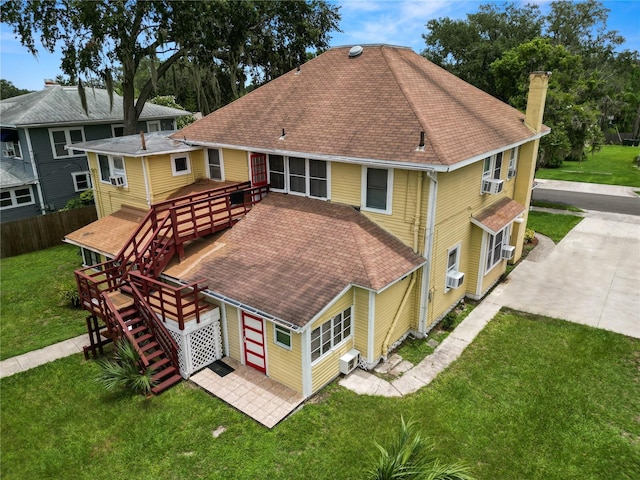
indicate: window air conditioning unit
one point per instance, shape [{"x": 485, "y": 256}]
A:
[
  {"x": 454, "y": 279},
  {"x": 349, "y": 361},
  {"x": 117, "y": 181},
  {"x": 508, "y": 251},
  {"x": 512, "y": 173},
  {"x": 491, "y": 185}
]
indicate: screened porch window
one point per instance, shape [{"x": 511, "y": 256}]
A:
[
  {"x": 330, "y": 334},
  {"x": 298, "y": 175}
]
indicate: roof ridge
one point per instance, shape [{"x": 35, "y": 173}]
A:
[{"x": 419, "y": 117}]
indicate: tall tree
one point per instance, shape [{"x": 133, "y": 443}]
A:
[
  {"x": 98, "y": 37},
  {"x": 8, "y": 89}
]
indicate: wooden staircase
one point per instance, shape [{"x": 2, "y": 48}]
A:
[{"x": 125, "y": 292}]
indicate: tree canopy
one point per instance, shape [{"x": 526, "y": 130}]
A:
[
  {"x": 593, "y": 87},
  {"x": 108, "y": 40},
  {"x": 8, "y": 89}
]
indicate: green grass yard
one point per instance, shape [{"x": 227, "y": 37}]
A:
[
  {"x": 32, "y": 315},
  {"x": 552, "y": 225},
  {"x": 612, "y": 165},
  {"x": 531, "y": 398}
]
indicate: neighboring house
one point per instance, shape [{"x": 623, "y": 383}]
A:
[
  {"x": 37, "y": 127},
  {"x": 395, "y": 190}
]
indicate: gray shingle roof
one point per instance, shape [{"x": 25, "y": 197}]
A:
[
  {"x": 15, "y": 172},
  {"x": 61, "y": 105},
  {"x": 131, "y": 145}
]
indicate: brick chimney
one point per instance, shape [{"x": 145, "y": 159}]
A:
[{"x": 538, "y": 84}]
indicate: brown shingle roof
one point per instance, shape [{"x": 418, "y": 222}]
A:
[
  {"x": 108, "y": 234},
  {"x": 290, "y": 256},
  {"x": 373, "y": 106},
  {"x": 499, "y": 215}
]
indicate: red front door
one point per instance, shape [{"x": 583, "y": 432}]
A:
[
  {"x": 258, "y": 169},
  {"x": 253, "y": 338}
]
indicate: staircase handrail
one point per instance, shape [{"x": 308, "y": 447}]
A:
[
  {"x": 159, "y": 331},
  {"x": 113, "y": 312}
]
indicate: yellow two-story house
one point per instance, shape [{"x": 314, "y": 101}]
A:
[{"x": 376, "y": 190}]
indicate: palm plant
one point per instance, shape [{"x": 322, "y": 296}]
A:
[
  {"x": 124, "y": 370},
  {"x": 409, "y": 458}
]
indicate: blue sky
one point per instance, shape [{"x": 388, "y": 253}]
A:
[{"x": 396, "y": 22}]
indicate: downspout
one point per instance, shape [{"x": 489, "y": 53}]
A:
[
  {"x": 35, "y": 171},
  {"x": 428, "y": 254},
  {"x": 416, "y": 229},
  {"x": 145, "y": 166}
]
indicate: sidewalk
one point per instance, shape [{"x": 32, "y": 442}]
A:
[{"x": 595, "y": 188}]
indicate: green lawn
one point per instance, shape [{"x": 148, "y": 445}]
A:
[
  {"x": 532, "y": 398},
  {"x": 553, "y": 225},
  {"x": 32, "y": 315},
  {"x": 612, "y": 165}
]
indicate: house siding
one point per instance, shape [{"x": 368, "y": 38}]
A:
[
  {"x": 110, "y": 199},
  {"x": 285, "y": 366},
  {"x": 233, "y": 333},
  {"x": 361, "y": 319},
  {"x": 387, "y": 306},
  {"x": 345, "y": 183},
  {"x": 162, "y": 181},
  {"x": 236, "y": 166},
  {"x": 328, "y": 367}
]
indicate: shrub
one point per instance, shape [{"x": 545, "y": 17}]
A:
[
  {"x": 123, "y": 371},
  {"x": 67, "y": 292},
  {"x": 529, "y": 234},
  {"x": 84, "y": 200}
]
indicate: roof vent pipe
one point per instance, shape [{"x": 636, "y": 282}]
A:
[
  {"x": 421, "y": 144},
  {"x": 144, "y": 144}
]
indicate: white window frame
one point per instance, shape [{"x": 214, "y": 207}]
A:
[
  {"x": 15, "y": 146},
  {"x": 90, "y": 255},
  {"x": 278, "y": 329},
  {"x": 363, "y": 190},
  {"x": 14, "y": 198},
  {"x": 154, "y": 123},
  {"x": 67, "y": 136},
  {"x": 113, "y": 130},
  {"x": 490, "y": 258},
  {"x": 220, "y": 164},
  {"x": 174, "y": 170},
  {"x": 513, "y": 163},
  {"x": 307, "y": 177},
  {"x": 113, "y": 171},
  {"x": 332, "y": 341},
  {"x": 75, "y": 176},
  {"x": 452, "y": 268}
]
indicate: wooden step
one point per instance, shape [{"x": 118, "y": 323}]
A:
[
  {"x": 153, "y": 355},
  {"x": 163, "y": 373},
  {"x": 157, "y": 366},
  {"x": 135, "y": 331},
  {"x": 148, "y": 346},
  {"x": 143, "y": 338},
  {"x": 169, "y": 382}
]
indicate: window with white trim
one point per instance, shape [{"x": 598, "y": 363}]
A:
[
  {"x": 111, "y": 166},
  {"x": 117, "y": 130},
  {"x": 153, "y": 126},
  {"x": 11, "y": 149},
  {"x": 214, "y": 163},
  {"x": 90, "y": 258},
  {"x": 16, "y": 197},
  {"x": 65, "y": 136},
  {"x": 492, "y": 167},
  {"x": 330, "y": 334},
  {"x": 81, "y": 181},
  {"x": 494, "y": 248},
  {"x": 453, "y": 263},
  {"x": 282, "y": 336},
  {"x": 513, "y": 163},
  {"x": 301, "y": 176},
  {"x": 377, "y": 189},
  {"x": 180, "y": 164}
]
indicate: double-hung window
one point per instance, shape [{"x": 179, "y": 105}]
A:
[
  {"x": 453, "y": 264},
  {"x": 81, "y": 181},
  {"x": 180, "y": 164},
  {"x": 111, "y": 166},
  {"x": 65, "y": 136},
  {"x": 492, "y": 167},
  {"x": 494, "y": 247},
  {"x": 11, "y": 149},
  {"x": 153, "y": 126},
  {"x": 16, "y": 197},
  {"x": 214, "y": 162},
  {"x": 302, "y": 176},
  {"x": 377, "y": 189},
  {"x": 513, "y": 163},
  {"x": 330, "y": 334},
  {"x": 117, "y": 130}
]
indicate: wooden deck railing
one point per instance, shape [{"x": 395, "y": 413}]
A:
[
  {"x": 163, "y": 232},
  {"x": 115, "y": 321}
]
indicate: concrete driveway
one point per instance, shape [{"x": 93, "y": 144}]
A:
[{"x": 591, "y": 277}]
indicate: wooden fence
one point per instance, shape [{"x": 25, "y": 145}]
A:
[{"x": 43, "y": 231}]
